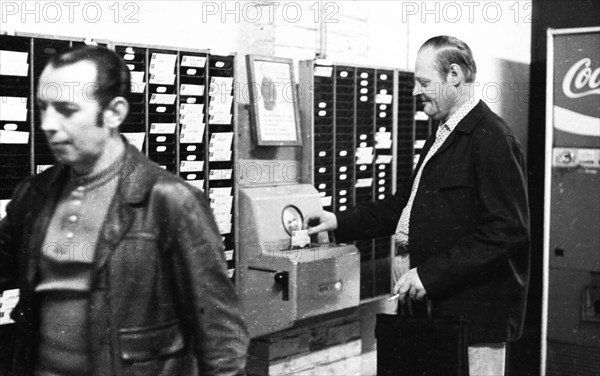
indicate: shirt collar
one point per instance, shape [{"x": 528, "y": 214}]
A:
[{"x": 460, "y": 114}]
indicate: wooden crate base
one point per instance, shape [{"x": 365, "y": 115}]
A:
[{"x": 343, "y": 359}]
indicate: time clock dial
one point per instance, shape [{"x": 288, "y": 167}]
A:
[{"x": 292, "y": 219}]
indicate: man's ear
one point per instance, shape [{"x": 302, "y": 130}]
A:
[
  {"x": 455, "y": 75},
  {"x": 116, "y": 112}
]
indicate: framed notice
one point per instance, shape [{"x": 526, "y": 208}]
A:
[{"x": 274, "y": 109}]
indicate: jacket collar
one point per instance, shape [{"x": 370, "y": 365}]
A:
[
  {"x": 134, "y": 179},
  {"x": 466, "y": 126},
  {"x": 468, "y": 123},
  {"x": 48, "y": 180}
]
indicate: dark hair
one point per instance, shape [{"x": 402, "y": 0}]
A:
[
  {"x": 112, "y": 74},
  {"x": 450, "y": 50}
]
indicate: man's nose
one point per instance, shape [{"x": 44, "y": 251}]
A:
[
  {"x": 417, "y": 90},
  {"x": 50, "y": 120}
]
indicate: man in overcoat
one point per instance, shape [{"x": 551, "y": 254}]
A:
[{"x": 463, "y": 220}]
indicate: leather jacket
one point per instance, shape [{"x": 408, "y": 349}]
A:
[{"x": 161, "y": 302}]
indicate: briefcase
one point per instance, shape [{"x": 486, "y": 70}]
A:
[{"x": 421, "y": 345}]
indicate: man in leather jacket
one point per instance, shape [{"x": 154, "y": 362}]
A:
[{"x": 120, "y": 264}]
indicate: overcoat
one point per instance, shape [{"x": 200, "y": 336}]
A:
[{"x": 469, "y": 226}]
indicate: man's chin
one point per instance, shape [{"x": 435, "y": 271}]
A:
[
  {"x": 63, "y": 158},
  {"x": 433, "y": 115}
]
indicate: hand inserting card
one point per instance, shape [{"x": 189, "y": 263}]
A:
[{"x": 300, "y": 238}]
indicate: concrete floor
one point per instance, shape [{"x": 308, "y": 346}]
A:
[{"x": 369, "y": 364}]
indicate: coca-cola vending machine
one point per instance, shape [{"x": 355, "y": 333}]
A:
[{"x": 571, "y": 312}]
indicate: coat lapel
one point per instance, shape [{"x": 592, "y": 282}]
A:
[
  {"x": 134, "y": 184},
  {"x": 48, "y": 190},
  {"x": 449, "y": 140},
  {"x": 116, "y": 224},
  {"x": 424, "y": 151},
  {"x": 466, "y": 125}
]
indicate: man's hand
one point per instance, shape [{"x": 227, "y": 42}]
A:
[
  {"x": 410, "y": 285},
  {"x": 400, "y": 266},
  {"x": 324, "y": 221}
]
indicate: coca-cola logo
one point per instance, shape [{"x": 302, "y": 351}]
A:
[{"x": 580, "y": 80}]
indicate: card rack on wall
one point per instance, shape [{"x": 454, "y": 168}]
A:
[
  {"x": 181, "y": 116},
  {"x": 16, "y": 101},
  {"x": 405, "y": 145},
  {"x": 353, "y": 112},
  {"x": 414, "y": 127}
]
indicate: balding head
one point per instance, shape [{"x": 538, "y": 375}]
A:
[{"x": 450, "y": 50}]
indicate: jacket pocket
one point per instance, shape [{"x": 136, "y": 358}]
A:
[
  {"x": 456, "y": 178},
  {"x": 143, "y": 344}
]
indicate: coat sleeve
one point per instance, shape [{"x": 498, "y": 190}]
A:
[
  {"x": 376, "y": 219},
  {"x": 10, "y": 240},
  {"x": 7, "y": 259},
  {"x": 211, "y": 303},
  {"x": 373, "y": 219},
  {"x": 503, "y": 226}
]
